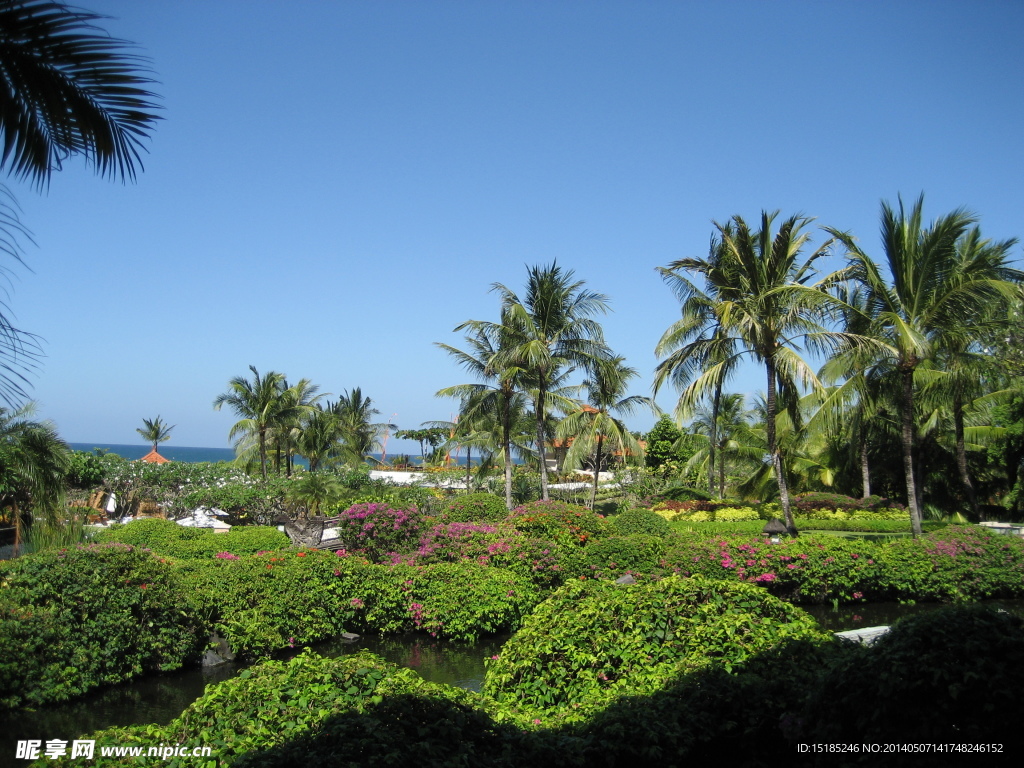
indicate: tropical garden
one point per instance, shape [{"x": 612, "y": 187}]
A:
[{"x": 654, "y": 622}]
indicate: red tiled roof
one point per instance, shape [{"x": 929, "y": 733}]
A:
[{"x": 154, "y": 458}]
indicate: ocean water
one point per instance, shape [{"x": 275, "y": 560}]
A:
[
  {"x": 190, "y": 455},
  {"x": 193, "y": 455}
]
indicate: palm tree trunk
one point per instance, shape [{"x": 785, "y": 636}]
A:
[
  {"x": 540, "y": 445},
  {"x": 775, "y": 453},
  {"x": 961, "y": 453},
  {"x": 865, "y": 470},
  {"x": 907, "y": 435},
  {"x": 721, "y": 477},
  {"x": 597, "y": 471},
  {"x": 715, "y": 405},
  {"x": 506, "y": 447},
  {"x": 469, "y": 464},
  {"x": 263, "y": 452}
]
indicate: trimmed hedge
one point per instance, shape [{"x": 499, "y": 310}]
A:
[
  {"x": 950, "y": 565},
  {"x": 172, "y": 540},
  {"x": 640, "y": 521},
  {"x": 592, "y": 642},
  {"x": 268, "y": 602},
  {"x": 76, "y": 619},
  {"x": 475, "y": 508}
]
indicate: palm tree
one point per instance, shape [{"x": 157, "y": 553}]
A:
[
  {"x": 498, "y": 392},
  {"x": 155, "y": 431},
  {"x": 593, "y": 425},
  {"x": 69, "y": 90},
  {"x": 360, "y": 435},
  {"x": 545, "y": 332},
  {"x": 851, "y": 409},
  {"x": 66, "y": 89},
  {"x": 319, "y": 435},
  {"x": 934, "y": 293},
  {"x": 258, "y": 403},
  {"x": 296, "y": 402},
  {"x": 699, "y": 354},
  {"x": 33, "y": 464},
  {"x": 769, "y": 306},
  {"x": 961, "y": 362},
  {"x": 726, "y": 431},
  {"x": 311, "y": 491}
]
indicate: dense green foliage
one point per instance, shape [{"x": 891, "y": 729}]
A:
[
  {"x": 640, "y": 521},
  {"x": 557, "y": 521},
  {"x": 475, "y": 507},
  {"x": 967, "y": 663},
  {"x": 277, "y": 600},
  {"x": 954, "y": 564},
  {"x": 591, "y": 642},
  {"x": 179, "y": 541},
  {"x": 359, "y": 710},
  {"x": 76, "y": 619}
]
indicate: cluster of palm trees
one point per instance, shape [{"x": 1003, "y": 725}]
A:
[
  {"x": 522, "y": 363},
  {"x": 902, "y": 338},
  {"x": 282, "y": 420}
]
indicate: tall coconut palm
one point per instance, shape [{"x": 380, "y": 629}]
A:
[
  {"x": 66, "y": 89},
  {"x": 550, "y": 329},
  {"x": 296, "y": 401},
  {"x": 319, "y": 435},
  {"x": 931, "y": 294},
  {"x": 155, "y": 431},
  {"x": 592, "y": 425},
  {"x": 258, "y": 403},
  {"x": 961, "y": 361},
  {"x": 851, "y": 407},
  {"x": 770, "y": 307},
  {"x": 360, "y": 435},
  {"x": 33, "y": 464},
  {"x": 497, "y": 393},
  {"x": 699, "y": 354}
]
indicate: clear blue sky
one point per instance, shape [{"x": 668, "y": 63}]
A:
[{"x": 336, "y": 185}]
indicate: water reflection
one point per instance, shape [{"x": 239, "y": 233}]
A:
[
  {"x": 161, "y": 698},
  {"x": 846, "y": 617}
]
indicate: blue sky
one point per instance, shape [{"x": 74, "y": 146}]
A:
[{"x": 336, "y": 185}]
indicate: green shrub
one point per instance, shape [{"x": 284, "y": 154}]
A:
[
  {"x": 172, "y": 540},
  {"x": 956, "y": 563},
  {"x": 736, "y": 514},
  {"x": 287, "y": 599},
  {"x": 594, "y": 641},
  {"x": 76, "y": 619},
  {"x": 640, "y": 521},
  {"x": 614, "y": 556},
  {"x": 682, "y": 493},
  {"x": 954, "y": 674},
  {"x": 556, "y": 521},
  {"x": 475, "y": 508},
  {"x": 278, "y": 704}
]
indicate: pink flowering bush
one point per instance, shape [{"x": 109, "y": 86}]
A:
[
  {"x": 378, "y": 530},
  {"x": 452, "y": 542},
  {"x": 807, "y": 569},
  {"x": 954, "y": 564}
]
